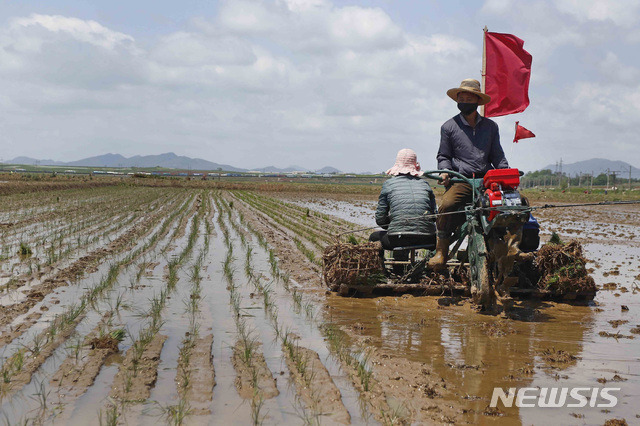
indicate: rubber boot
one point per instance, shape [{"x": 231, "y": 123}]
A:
[
  {"x": 439, "y": 261},
  {"x": 400, "y": 256}
]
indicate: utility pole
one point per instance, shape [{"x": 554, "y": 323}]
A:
[
  {"x": 558, "y": 173},
  {"x": 591, "y": 186},
  {"x": 613, "y": 172},
  {"x": 629, "y": 178}
]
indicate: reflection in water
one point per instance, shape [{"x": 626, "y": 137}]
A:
[{"x": 473, "y": 353}]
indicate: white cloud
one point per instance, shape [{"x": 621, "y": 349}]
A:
[
  {"x": 192, "y": 49},
  {"x": 356, "y": 28},
  {"x": 85, "y": 31},
  {"x": 496, "y": 7},
  {"x": 249, "y": 17},
  {"x": 615, "y": 71},
  {"x": 299, "y": 81},
  {"x": 619, "y": 12}
]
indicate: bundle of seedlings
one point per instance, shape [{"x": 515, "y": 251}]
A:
[
  {"x": 562, "y": 268},
  {"x": 352, "y": 264}
]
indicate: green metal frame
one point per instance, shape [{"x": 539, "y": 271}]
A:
[{"x": 475, "y": 228}]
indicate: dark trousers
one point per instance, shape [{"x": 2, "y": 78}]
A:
[
  {"x": 389, "y": 242},
  {"x": 455, "y": 198}
]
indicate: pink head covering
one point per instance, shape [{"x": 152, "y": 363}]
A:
[{"x": 406, "y": 163}]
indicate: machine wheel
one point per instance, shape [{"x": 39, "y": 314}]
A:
[
  {"x": 481, "y": 286},
  {"x": 486, "y": 295}
]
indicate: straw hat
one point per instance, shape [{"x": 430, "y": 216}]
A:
[
  {"x": 406, "y": 164},
  {"x": 469, "y": 85}
]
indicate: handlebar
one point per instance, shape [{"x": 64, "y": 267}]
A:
[{"x": 458, "y": 178}]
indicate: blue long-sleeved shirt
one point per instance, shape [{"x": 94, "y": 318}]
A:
[{"x": 468, "y": 150}]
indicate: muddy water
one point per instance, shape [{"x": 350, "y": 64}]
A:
[
  {"x": 360, "y": 213},
  {"x": 293, "y": 319},
  {"x": 475, "y": 353}
]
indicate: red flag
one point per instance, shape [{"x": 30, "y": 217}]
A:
[
  {"x": 508, "y": 68},
  {"x": 522, "y": 133}
]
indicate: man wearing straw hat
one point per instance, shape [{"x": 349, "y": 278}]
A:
[
  {"x": 403, "y": 202},
  {"x": 469, "y": 145}
]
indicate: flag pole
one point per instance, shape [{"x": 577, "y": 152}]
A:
[
  {"x": 514, "y": 141},
  {"x": 484, "y": 64}
]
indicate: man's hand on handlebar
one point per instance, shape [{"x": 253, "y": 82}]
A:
[{"x": 445, "y": 179}]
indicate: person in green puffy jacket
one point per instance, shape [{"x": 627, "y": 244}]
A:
[{"x": 404, "y": 203}]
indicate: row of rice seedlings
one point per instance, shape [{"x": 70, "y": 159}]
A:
[
  {"x": 177, "y": 413},
  {"x": 285, "y": 337},
  {"x": 53, "y": 211},
  {"x": 68, "y": 318},
  {"x": 325, "y": 226},
  {"x": 228, "y": 208},
  {"x": 357, "y": 359},
  {"x": 304, "y": 212},
  {"x": 32, "y": 204},
  {"x": 154, "y": 324},
  {"x": 65, "y": 246},
  {"x": 63, "y": 230},
  {"x": 220, "y": 220},
  {"x": 284, "y": 220},
  {"x": 47, "y": 340},
  {"x": 249, "y": 343},
  {"x": 182, "y": 223},
  {"x": 309, "y": 254},
  {"x": 300, "y": 245},
  {"x": 178, "y": 261},
  {"x": 322, "y": 228}
]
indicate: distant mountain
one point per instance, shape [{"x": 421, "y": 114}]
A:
[
  {"x": 328, "y": 169},
  {"x": 597, "y": 166},
  {"x": 273, "y": 169},
  {"x": 32, "y": 161},
  {"x": 167, "y": 160},
  {"x": 106, "y": 160}
]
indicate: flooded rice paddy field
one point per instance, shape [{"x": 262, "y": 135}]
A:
[
  {"x": 135, "y": 305},
  {"x": 545, "y": 344}
]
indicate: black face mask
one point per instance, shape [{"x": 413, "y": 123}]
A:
[{"x": 467, "y": 108}]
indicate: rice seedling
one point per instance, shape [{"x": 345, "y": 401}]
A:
[
  {"x": 75, "y": 348},
  {"x": 118, "y": 303},
  {"x": 257, "y": 403},
  {"x": 42, "y": 397},
  {"x": 24, "y": 249},
  {"x": 393, "y": 416},
  {"x": 176, "y": 414},
  {"x": 111, "y": 415},
  {"x": 363, "y": 371}
]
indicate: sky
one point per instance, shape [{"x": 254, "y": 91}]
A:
[{"x": 312, "y": 83}]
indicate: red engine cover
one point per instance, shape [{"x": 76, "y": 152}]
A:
[
  {"x": 506, "y": 178},
  {"x": 495, "y": 199}
]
